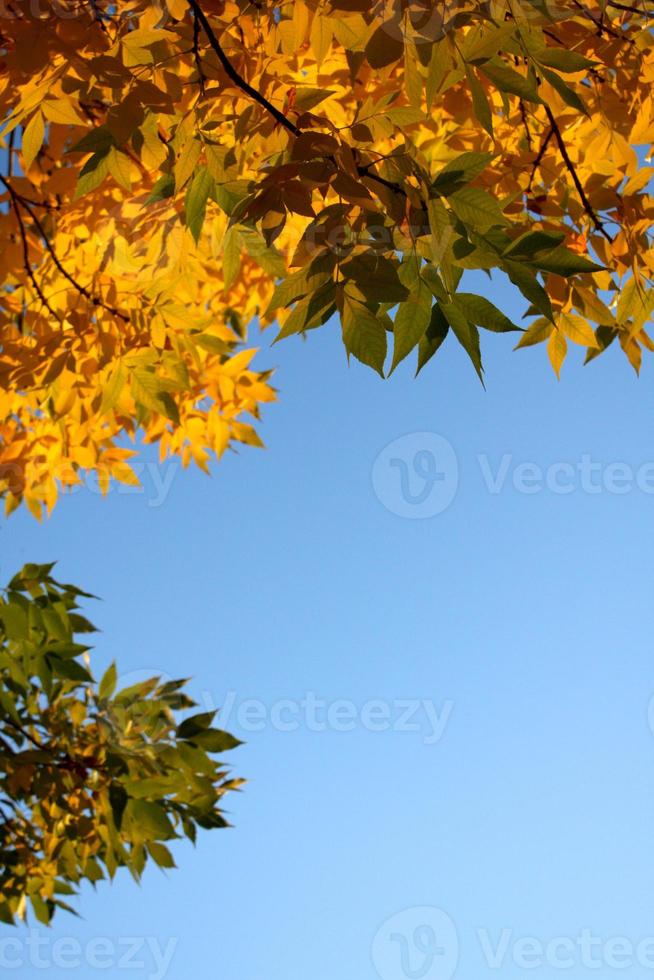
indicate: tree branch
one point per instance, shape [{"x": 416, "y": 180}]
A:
[
  {"x": 26, "y": 250},
  {"x": 539, "y": 157},
  {"x": 238, "y": 80},
  {"x": 16, "y": 200},
  {"x": 588, "y": 207}
]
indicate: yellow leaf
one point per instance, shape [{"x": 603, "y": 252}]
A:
[
  {"x": 186, "y": 163},
  {"x": 120, "y": 168},
  {"x": 557, "y": 348},
  {"x": 577, "y": 329},
  {"x": 33, "y": 137},
  {"x": 321, "y": 37},
  {"x": 62, "y": 111}
]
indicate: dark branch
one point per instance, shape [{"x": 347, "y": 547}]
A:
[
  {"x": 201, "y": 19},
  {"x": 539, "y": 157},
  {"x": 196, "y": 50},
  {"x": 18, "y": 201},
  {"x": 26, "y": 250},
  {"x": 588, "y": 207},
  {"x": 238, "y": 80}
]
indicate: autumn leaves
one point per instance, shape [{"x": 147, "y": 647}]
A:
[{"x": 173, "y": 180}]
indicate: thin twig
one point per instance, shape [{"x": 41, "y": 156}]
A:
[
  {"x": 196, "y": 50},
  {"x": 539, "y": 157},
  {"x": 588, "y": 207},
  {"x": 18, "y": 200},
  {"x": 26, "y": 252}
]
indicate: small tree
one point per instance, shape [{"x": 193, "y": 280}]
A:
[{"x": 91, "y": 779}]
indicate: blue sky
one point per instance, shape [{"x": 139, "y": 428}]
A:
[{"x": 505, "y": 826}]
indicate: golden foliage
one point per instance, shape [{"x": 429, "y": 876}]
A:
[{"x": 179, "y": 172}]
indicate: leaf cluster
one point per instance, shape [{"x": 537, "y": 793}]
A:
[{"x": 92, "y": 778}]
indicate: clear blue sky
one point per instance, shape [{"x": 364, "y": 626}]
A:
[{"x": 521, "y": 622}]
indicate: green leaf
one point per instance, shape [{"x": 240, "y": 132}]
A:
[
  {"x": 375, "y": 278},
  {"x": 118, "y": 801},
  {"x": 411, "y": 322},
  {"x": 604, "y": 337},
  {"x": 92, "y": 173},
  {"x": 96, "y": 140},
  {"x": 300, "y": 283},
  {"x": 108, "y": 683},
  {"x": 481, "y": 311},
  {"x": 434, "y": 336},
  {"x": 466, "y": 333},
  {"x": 195, "y": 724},
  {"x": 151, "y": 818},
  {"x": 70, "y": 670},
  {"x": 215, "y": 740},
  {"x": 310, "y": 312},
  {"x": 460, "y": 171},
  {"x": 113, "y": 388},
  {"x": 563, "y": 262},
  {"x": 160, "y": 854},
  {"x": 567, "y": 94},
  {"x": 508, "y": 80},
  {"x": 120, "y": 167},
  {"x": 533, "y": 242},
  {"x": 364, "y": 334},
  {"x": 42, "y": 909},
  {"x": 526, "y": 281},
  {"x": 563, "y": 60},
  {"x": 163, "y": 187},
  {"x": 477, "y": 208},
  {"x": 485, "y": 41},
  {"x": 480, "y": 102},
  {"x": 14, "y": 620},
  {"x": 195, "y": 204},
  {"x": 151, "y": 391}
]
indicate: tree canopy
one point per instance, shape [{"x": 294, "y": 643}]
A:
[
  {"x": 91, "y": 779},
  {"x": 178, "y": 173}
]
